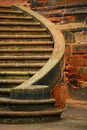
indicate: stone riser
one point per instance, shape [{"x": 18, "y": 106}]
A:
[
  {"x": 21, "y": 32},
  {"x": 22, "y": 119},
  {"x": 27, "y": 107},
  {"x": 9, "y": 85},
  {"x": 26, "y": 46},
  {"x": 16, "y": 19},
  {"x": 11, "y": 13},
  {"x": 25, "y": 40},
  {"x": 23, "y": 61},
  {"x": 21, "y": 69},
  {"x": 5, "y": 8},
  {"x": 25, "y": 54}
]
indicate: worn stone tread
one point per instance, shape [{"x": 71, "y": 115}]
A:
[
  {"x": 24, "y": 57},
  {"x": 19, "y": 23},
  {"x": 23, "y": 30},
  {"x": 49, "y": 112},
  {"x": 4, "y": 73},
  {"x": 26, "y": 50},
  {"x": 25, "y": 36},
  {"x": 10, "y": 12},
  {"x": 5, "y": 90},
  {"x": 16, "y": 18},
  {"x": 27, "y": 43},
  {"x": 11, "y": 81},
  {"x": 18, "y": 101},
  {"x": 22, "y": 65}
]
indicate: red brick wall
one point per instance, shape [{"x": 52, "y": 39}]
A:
[
  {"x": 10, "y": 2},
  {"x": 54, "y": 2},
  {"x": 70, "y": 1},
  {"x": 76, "y": 59}
]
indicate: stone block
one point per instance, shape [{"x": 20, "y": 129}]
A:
[{"x": 33, "y": 92}]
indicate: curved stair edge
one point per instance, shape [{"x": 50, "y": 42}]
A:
[{"x": 54, "y": 66}]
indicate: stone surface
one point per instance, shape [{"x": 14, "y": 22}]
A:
[{"x": 73, "y": 118}]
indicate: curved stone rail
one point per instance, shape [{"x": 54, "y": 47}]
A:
[{"x": 52, "y": 73}]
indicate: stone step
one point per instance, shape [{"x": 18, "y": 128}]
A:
[
  {"x": 37, "y": 46},
  {"x": 21, "y": 65},
  {"x": 25, "y": 58},
  {"x": 33, "y": 92},
  {"x": 15, "y": 19},
  {"x": 24, "y": 68},
  {"x": 10, "y": 81},
  {"x": 37, "y": 43},
  {"x": 11, "y": 75},
  {"x": 5, "y": 92},
  {"x": 25, "y": 52},
  {"x": 19, "y": 24},
  {"x": 23, "y": 31},
  {"x": 10, "y": 12},
  {"x": 16, "y": 74},
  {"x": 27, "y": 101},
  {"x": 26, "y": 105},
  {"x": 22, "y": 45},
  {"x": 28, "y": 117},
  {"x": 32, "y": 44},
  {"x": 24, "y": 36},
  {"x": 5, "y": 8}
]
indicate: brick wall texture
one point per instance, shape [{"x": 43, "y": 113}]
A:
[{"x": 76, "y": 60}]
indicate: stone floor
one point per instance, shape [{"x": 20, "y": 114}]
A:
[{"x": 74, "y": 117}]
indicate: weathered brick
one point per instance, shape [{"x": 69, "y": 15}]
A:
[
  {"x": 83, "y": 77},
  {"x": 82, "y": 70},
  {"x": 77, "y": 55},
  {"x": 67, "y": 50},
  {"x": 66, "y": 58},
  {"x": 74, "y": 61},
  {"x": 10, "y": 2},
  {"x": 71, "y": 18},
  {"x": 73, "y": 69},
  {"x": 85, "y": 61},
  {"x": 84, "y": 55},
  {"x": 80, "y": 48}
]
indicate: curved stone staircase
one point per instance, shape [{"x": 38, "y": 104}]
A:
[{"x": 27, "y": 52}]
